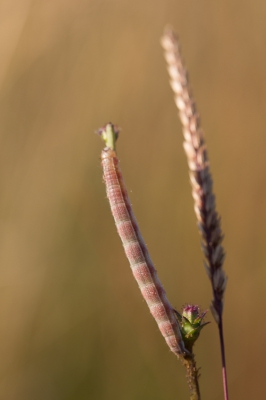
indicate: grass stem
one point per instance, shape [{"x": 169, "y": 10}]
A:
[{"x": 201, "y": 182}]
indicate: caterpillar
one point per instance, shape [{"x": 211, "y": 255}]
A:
[{"x": 136, "y": 251}]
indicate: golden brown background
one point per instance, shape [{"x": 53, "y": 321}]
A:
[{"x": 72, "y": 322}]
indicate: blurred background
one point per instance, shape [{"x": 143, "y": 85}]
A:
[{"x": 72, "y": 322}]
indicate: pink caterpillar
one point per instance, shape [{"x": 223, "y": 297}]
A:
[{"x": 137, "y": 253}]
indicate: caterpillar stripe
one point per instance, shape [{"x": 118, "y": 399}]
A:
[{"x": 137, "y": 253}]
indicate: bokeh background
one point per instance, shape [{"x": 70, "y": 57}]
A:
[{"x": 72, "y": 322}]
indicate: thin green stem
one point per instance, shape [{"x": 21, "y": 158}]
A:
[
  {"x": 192, "y": 376},
  {"x": 221, "y": 335}
]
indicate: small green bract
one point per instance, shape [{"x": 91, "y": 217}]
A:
[{"x": 191, "y": 323}]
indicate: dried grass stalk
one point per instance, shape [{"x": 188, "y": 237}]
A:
[
  {"x": 199, "y": 172},
  {"x": 201, "y": 182}
]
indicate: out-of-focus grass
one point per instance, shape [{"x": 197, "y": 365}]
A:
[{"x": 72, "y": 322}]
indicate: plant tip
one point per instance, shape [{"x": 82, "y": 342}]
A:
[{"x": 109, "y": 133}]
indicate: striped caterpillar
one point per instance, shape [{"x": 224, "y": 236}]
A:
[{"x": 135, "y": 248}]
